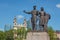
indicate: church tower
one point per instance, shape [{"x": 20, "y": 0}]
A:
[
  {"x": 25, "y": 23},
  {"x": 15, "y": 28},
  {"x": 15, "y": 21}
]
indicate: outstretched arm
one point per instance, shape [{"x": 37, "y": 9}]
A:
[{"x": 27, "y": 12}]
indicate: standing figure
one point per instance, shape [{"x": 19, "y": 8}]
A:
[
  {"x": 34, "y": 13},
  {"x": 42, "y": 17},
  {"x": 47, "y": 17}
]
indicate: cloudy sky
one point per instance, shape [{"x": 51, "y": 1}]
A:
[{"x": 11, "y": 8}]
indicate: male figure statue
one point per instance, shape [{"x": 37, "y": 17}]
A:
[
  {"x": 42, "y": 18},
  {"x": 47, "y": 17},
  {"x": 34, "y": 13}
]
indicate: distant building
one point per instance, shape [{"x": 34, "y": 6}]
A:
[
  {"x": 7, "y": 27},
  {"x": 25, "y": 24},
  {"x": 18, "y": 26},
  {"x": 58, "y": 34}
]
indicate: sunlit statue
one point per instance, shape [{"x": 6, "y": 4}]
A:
[
  {"x": 34, "y": 14},
  {"x": 44, "y": 17},
  {"x": 47, "y": 17}
]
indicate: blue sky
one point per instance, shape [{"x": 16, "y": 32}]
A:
[{"x": 11, "y": 8}]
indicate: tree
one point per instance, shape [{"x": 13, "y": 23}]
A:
[
  {"x": 51, "y": 33},
  {"x": 22, "y": 33},
  {"x": 29, "y": 25},
  {"x": 2, "y": 35},
  {"x": 9, "y": 35}
]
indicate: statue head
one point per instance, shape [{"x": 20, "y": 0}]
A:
[
  {"x": 42, "y": 9},
  {"x": 34, "y": 7}
]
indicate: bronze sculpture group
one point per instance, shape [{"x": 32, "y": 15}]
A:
[{"x": 43, "y": 18}]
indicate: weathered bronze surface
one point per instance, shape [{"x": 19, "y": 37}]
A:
[
  {"x": 34, "y": 13},
  {"x": 43, "y": 18}
]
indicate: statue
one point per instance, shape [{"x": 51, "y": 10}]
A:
[
  {"x": 47, "y": 17},
  {"x": 34, "y": 13},
  {"x": 42, "y": 16}
]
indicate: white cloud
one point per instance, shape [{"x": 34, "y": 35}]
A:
[
  {"x": 19, "y": 16},
  {"x": 58, "y": 5}
]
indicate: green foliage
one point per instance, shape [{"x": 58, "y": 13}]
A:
[
  {"x": 9, "y": 35},
  {"x": 2, "y": 35},
  {"x": 51, "y": 33},
  {"x": 29, "y": 29},
  {"x": 22, "y": 33}
]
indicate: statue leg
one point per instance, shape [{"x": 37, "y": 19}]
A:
[
  {"x": 33, "y": 24},
  {"x": 46, "y": 21},
  {"x": 45, "y": 24},
  {"x": 40, "y": 23},
  {"x": 45, "y": 28},
  {"x": 40, "y": 26}
]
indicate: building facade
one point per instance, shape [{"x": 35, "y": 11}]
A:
[
  {"x": 58, "y": 34},
  {"x": 17, "y": 26}
]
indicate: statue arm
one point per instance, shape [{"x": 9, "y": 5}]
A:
[
  {"x": 27, "y": 12},
  {"x": 49, "y": 16}
]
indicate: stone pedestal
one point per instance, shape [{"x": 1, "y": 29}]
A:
[{"x": 37, "y": 36}]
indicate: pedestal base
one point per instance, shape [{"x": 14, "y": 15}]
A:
[{"x": 37, "y": 36}]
